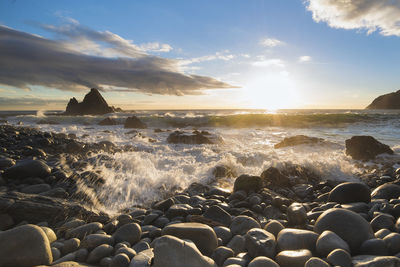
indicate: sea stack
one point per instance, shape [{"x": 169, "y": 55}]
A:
[
  {"x": 388, "y": 101},
  {"x": 92, "y": 104}
]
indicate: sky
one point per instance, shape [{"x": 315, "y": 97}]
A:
[{"x": 270, "y": 54}]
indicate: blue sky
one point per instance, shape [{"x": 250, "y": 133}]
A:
[{"x": 249, "y": 54}]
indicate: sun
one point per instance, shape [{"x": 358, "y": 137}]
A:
[{"x": 272, "y": 91}]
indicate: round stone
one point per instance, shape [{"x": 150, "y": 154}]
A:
[
  {"x": 350, "y": 192},
  {"x": 242, "y": 223},
  {"x": 120, "y": 260},
  {"x": 274, "y": 227},
  {"x": 293, "y": 258},
  {"x": 339, "y": 257},
  {"x": 98, "y": 253},
  {"x": 329, "y": 241},
  {"x": 296, "y": 214},
  {"x": 248, "y": 183},
  {"x": 260, "y": 243},
  {"x": 130, "y": 232},
  {"x": 374, "y": 246},
  {"x": 220, "y": 255},
  {"x": 27, "y": 168},
  {"x": 392, "y": 243},
  {"x": 263, "y": 262},
  {"x": 296, "y": 239},
  {"x": 382, "y": 221},
  {"x": 348, "y": 225},
  {"x": 386, "y": 191},
  {"x": 316, "y": 262}
]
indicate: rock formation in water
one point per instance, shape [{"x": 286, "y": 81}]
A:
[
  {"x": 92, "y": 104},
  {"x": 388, "y": 101}
]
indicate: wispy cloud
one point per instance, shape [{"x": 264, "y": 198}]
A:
[
  {"x": 305, "y": 59},
  {"x": 27, "y": 59},
  {"x": 271, "y": 42},
  {"x": 29, "y": 101},
  {"x": 223, "y": 55},
  {"x": 273, "y": 62},
  {"x": 370, "y": 15}
]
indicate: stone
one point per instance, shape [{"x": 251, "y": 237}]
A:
[
  {"x": 134, "y": 122},
  {"x": 224, "y": 233},
  {"x": 275, "y": 177},
  {"x": 221, "y": 171},
  {"x": 130, "y": 232},
  {"x": 218, "y": 214},
  {"x": 382, "y": 233},
  {"x": 237, "y": 244},
  {"x": 178, "y": 137},
  {"x": 392, "y": 243},
  {"x": 242, "y": 223},
  {"x": 36, "y": 189},
  {"x": 350, "y": 192},
  {"x": 164, "y": 205},
  {"x": 221, "y": 253},
  {"x": 94, "y": 240},
  {"x": 92, "y": 104},
  {"x": 386, "y": 101},
  {"x": 247, "y": 183},
  {"x": 120, "y": 260},
  {"x": 84, "y": 230},
  {"x": 339, "y": 257},
  {"x": 6, "y": 163},
  {"x": 170, "y": 251},
  {"x": 298, "y": 140},
  {"x": 375, "y": 261},
  {"x": 382, "y": 221},
  {"x": 143, "y": 259},
  {"x": 374, "y": 246},
  {"x": 365, "y": 147},
  {"x": 235, "y": 262},
  {"x": 6, "y": 221},
  {"x": 274, "y": 227},
  {"x": 296, "y": 214},
  {"x": 70, "y": 245},
  {"x": 202, "y": 235},
  {"x": 295, "y": 239},
  {"x": 27, "y": 168},
  {"x": 178, "y": 210},
  {"x": 51, "y": 236},
  {"x": 260, "y": 243},
  {"x": 329, "y": 241},
  {"x": 386, "y": 191},
  {"x": 140, "y": 246},
  {"x": 81, "y": 254},
  {"x": 263, "y": 262},
  {"x": 348, "y": 225},
  {"x": 25, "y": 245},
  {"x": 56, "y": 253},
  {"x": 108, "y": 121},
  {"x": 293, "y": 258},
  {"x": 98, "y": 253},
  {"x": 316, "y": 262}
]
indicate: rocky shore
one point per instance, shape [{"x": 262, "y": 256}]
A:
[{"x": 50, "y": 216}]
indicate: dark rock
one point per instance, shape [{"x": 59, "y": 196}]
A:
[
  {"x": 294, "y": 239},
  {"x": 6, "y": 221},
  {"x": 217, "y": 214},
  {"x": 382, "y": 221},
  {"x": 387, "y": 101},
  {"x": 263, "y": 262},
  {"x": 339, "y": 257},
  {"x": 221, "y": 171},
  {"x": 375, "y": 261},
  {"x": 178, "y": 137},
  {"x": 329, "y": 241},
  {"x": 275, "y": 177},
  {"x": 296, "y": 214},
  {"x": 298, "y": 140},
  {"x": 27, "y": 168},
  {"x": 99, "y": 253},
  {"x": 392, "y": 241},
  {"x": 108, "y": 121},
  {"x": 260, "y": 243},
  {"x": 36, "y": 189},
  {"x": 247, "y": 183},
  {"x": 316, "y": 262},
  {"x": 130, "y": 232},
  {"x": 134, "y": 122},
  {"x": 293, "y": 258},
  {"x": 386, "y": 191},
  {"x": 220, "y": 254},
  {"x": 350, "y": 192},
  {"x": 348, "y": 225},
  {"x": 241, "y": 224},
  {"x": 365, "y": 147},
  {"x": 374, "y": 246},
  {"x": 92, "y": 104}
]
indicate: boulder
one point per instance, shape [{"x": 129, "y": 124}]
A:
[
  {"x": 375, "y": 261},
  {"x": 218, "y": 214},
  {"x": 387, "y": 101},
  {"x": 296, "y": 214},
  {"x": 375, "y": 246},
  {"x": 293, "y": 258},
  {"x": 294, "y": 239},
  {"x": 93, "y": 104},
  {"x": 242, "y": 223},
  {"x": 221, "y": 253},
  {"x": 143, "y": 259},
  {"x": 260, "y": 243},
  {"x": 202, "y": 235},
  {"x": 299, "y": 140},
  {"x": 386, "y": 191},
  {"x": 130, "y": 232},
  {"x": 36, "y": 189},
  {"x": 365, "y": 147},
  {"x": 247, "y": 183},
  {"x": 25, "y": 245},
  {"x": 99, "y": 253},
  {"x": 329, "y": 241},
  {"x": 27, "y": 168},
  {"x": 107, "y": 122},
  {"x": 350, "y": 192},
  {"x": 339, "y": 257},
  {"x": 170, "y": 251},
  {"x": 134, "y": 122},
  {"x": 348, "y": 225},
  {"x": 275, "y": 177},
  {"x": 179, "y": 137}
]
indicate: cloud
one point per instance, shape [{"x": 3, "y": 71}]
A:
[
  {"x": 370, "y": 15},
  {"x": 224, "y": 55},
  {"x": 29, "y": 101},
  {"x": 305, "y": 59},
  {"x": 274, "y": 62},
  {"x": 271, "y": 42},
  {"x": 27, "y": 59}
]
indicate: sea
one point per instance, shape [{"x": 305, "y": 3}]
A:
[{"x": 247, "y": 147}]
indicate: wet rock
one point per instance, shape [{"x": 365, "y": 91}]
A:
[
  {"x": 25, "y": 245},
  {"x": 296, "y": 214},
  {"x": 51, "y": 236},
  {"x": 27, "y": 168},
  {"x": 316, "y": 262},
  {"x": 6, "y": 163},
  {"x": 170, "y": 251},
  {"x": 329, "y": 241},
  {"x": 274, "y": 227},
  {"x": 237, "y": 244},
  {"x": 220, "y": 255},
  {"x": 295, "y": 239},
  {"x": 130, "y": 232},
  {"x": 350, "y": 192},
  {"x": 374, "y": 246},
  {"x": 143, "y": 259},
  {"x": 202, "y": 235},
  {"x": 365, "y": 147},
  {"x": 178, "y": 137},
  {"x": 164, "y": 205},
  {"x": 92, "y": 104},
  {"x": 293, "y": 258},
  {"x": 382, "y": 221},
  {"x": 134, "y": 122},
  {"x": 339, "y": 257},
  {"x": 84, "y": 230},
  {"x": 386, "y": 191},
  {"x": 36, "y": 189},
  {"x": 392, "y": 243},
  {"x": 70, "y": 245},
  {"x": 108, "y": 121},
  {"x": 241, "y": 224},
  {"x": 224, "y": 233},
  {"x": 378, "y": 261},
  {"x": 99, "y": 252},
  {"x": 263, "y": 262},
  {"x": 275, "y": 177},
  {"x": 94, "y": 240},
  {"x": 247, "y": 183},
  {"x": 298, "y": 140},
  {"x": 221, "y": 171},
  {"x": 217, "y": 214},
  {"x": 120, "y": 260},
  {"x": 348, "y": 225},
  {"x": 6, "y": 221},
  {"x": 260, "y": 243}
]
